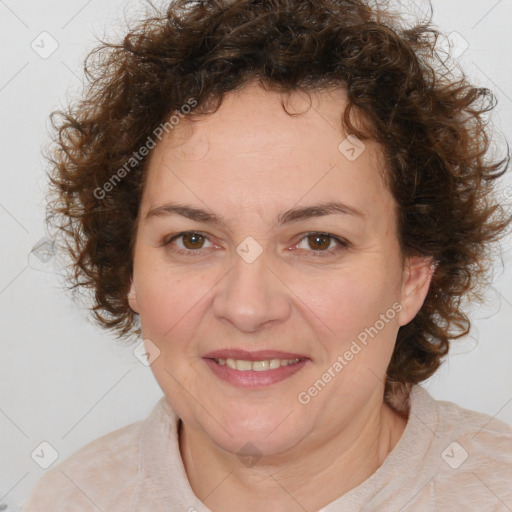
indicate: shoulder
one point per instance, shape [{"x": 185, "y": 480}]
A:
[
  {"x": 100, "y": 474},
  {"x": 480, "y": 435},
  {"x": 474, "y": 458}
]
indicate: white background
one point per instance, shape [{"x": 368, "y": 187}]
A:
[{"x": 63, "y": 380}]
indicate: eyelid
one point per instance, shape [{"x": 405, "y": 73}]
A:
[
  {"x": 171, "y": 238},
  {"x": 342, "y": 242}
]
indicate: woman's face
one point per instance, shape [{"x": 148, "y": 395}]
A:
[{"x": 290, "y": 253}]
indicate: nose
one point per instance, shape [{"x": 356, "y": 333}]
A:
[{"x": 252, "y": 297}]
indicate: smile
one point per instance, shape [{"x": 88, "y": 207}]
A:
[
  {"x": 256, "y": 366},
  {"x": 254, "y": 370}
]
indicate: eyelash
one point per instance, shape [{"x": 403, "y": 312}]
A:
[{"x": 342, "y": 244}]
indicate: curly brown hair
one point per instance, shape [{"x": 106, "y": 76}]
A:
[{"x": 429, "y": 120}]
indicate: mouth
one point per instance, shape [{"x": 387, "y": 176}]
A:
[
  {"x": 254, "y": 369},
  {"x": 264, "y": 365}
]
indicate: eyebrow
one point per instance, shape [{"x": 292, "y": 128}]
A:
[{"x": 292, "y": 215}]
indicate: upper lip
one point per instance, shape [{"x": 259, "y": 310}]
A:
[{"x": 259, "y": 355}]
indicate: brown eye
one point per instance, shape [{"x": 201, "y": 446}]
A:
[
  {"x": 188, "y": 243},
  {"x": 319, "y": 241},
  {"x": 321, "y": 244},
  {"x": 193, "y": 240}
]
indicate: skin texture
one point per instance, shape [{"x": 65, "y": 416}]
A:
[{"x": 247, "y": 163}]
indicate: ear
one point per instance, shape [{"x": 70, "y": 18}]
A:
[
  {"x": 132, "y": 298},
  {"x": 417, "y": 275}
]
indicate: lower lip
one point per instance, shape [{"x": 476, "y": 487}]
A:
[{"x": 252, "y": 379}]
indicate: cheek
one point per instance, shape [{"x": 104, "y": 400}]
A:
[
  {"x": 349, "y": 301},
  {"x": 168, "y": 301},
  {"x": 355, "y": 316}
]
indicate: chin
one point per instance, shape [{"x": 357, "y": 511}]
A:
[
  {"x": 270, "y": 431},
  {"x": 258, "y": 444}
]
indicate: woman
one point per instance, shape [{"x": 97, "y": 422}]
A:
[{"x": 287, "y": 201}]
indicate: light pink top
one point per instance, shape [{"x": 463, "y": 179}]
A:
[{"x": 448, "y": 459}]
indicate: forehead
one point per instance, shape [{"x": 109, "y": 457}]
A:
[
  {"x": 252, "y": 149},
  {"x": 261, "y": 119}
]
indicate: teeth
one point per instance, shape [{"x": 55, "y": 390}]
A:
[
  {"x": 243, "y": 365},
  {"x": 256, "y": 366},
  {"x": 260, "y": 366}
]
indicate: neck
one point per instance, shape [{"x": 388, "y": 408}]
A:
[{"x": 291, "y": 481}]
